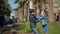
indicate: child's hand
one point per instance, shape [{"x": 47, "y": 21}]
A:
[{"x": 38, "y": 19}]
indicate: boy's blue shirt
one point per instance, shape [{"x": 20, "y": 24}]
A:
[{"x": 33, "y": 20}]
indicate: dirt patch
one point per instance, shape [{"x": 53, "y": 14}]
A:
[
  {"x": 11, "y": 31},
  {"x": 30, "y": 33}
]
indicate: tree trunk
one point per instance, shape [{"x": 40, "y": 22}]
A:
[
  {"x": 28, "y": 9},
  {"x": 25, "y": 11},
  {"x": 19, "y": 14},
  {"x": 43, "y": 5},
  {"x": 37, "y": 10},
  {"x": 50, "y": 12},
  {"x": 22, "y": 12},
  {"x": 31, "y": 4}
]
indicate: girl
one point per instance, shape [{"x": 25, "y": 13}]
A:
[{"x": 43, "y": 19}]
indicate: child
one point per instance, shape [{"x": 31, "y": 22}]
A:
[
  {"x": 57, "y": 18},
  {"x": 33, "y": 21},
  {"x": 43, "y": 19}
]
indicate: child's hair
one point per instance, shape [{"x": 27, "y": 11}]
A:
[
  {"x": 32, "y": 10},
  {"x": 44, "y": 11}
]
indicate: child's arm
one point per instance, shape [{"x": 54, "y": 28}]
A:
[
  {"x": 36, "y": 19},
  {"x": 33, "y": 19}
]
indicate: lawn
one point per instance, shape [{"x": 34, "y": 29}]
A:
[{"x": 53, "y": 28}]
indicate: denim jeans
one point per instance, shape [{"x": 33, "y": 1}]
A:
[{"x": 34, "y": 30}]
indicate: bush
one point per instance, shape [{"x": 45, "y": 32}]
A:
[{"x": 18, "y": 26}]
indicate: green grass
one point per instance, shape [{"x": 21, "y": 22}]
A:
[{"x": 53, "y": 28}]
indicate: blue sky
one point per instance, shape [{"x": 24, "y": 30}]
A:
[
  {"x": 11, "y": 2},
  {"x": 12, "y": 5}
]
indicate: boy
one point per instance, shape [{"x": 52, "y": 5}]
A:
[{"x": 33, "y": 20}]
